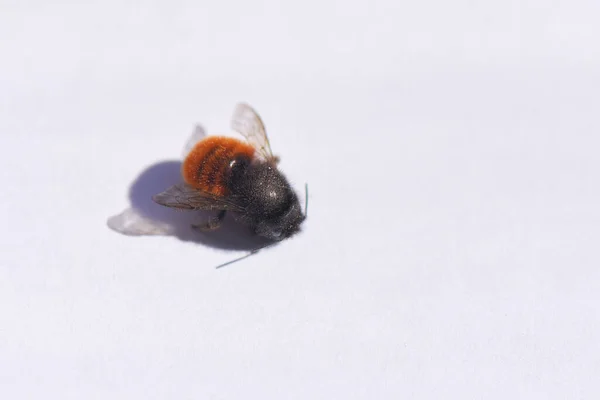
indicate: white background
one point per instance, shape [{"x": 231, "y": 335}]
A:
[{"x": 451, "y": 248}]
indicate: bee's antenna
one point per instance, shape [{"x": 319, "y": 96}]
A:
[
  {"x": 247, "y": 255},
  {"x": 306, "y": 199}
]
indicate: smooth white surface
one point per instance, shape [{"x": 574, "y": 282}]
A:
[{"x": 451, "y": 249}]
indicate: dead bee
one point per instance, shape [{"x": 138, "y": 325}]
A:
[{"x": 226, "y": 174}]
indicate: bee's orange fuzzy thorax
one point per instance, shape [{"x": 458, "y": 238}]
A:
[{"x": 206, "y": 166}]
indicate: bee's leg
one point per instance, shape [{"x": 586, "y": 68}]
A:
[{"x": 212, "y": 223}]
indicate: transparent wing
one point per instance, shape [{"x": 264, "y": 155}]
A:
[
  {"x": 132, "y": 222},
  {"x": 186, "y": 197},
  {"x": 247, "y": 122},
  {"x": 197, "y": 135}
]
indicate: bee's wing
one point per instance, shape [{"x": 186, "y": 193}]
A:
[
  {"x": 197, "y": 135},
  {"x": 185, "y": 197},
  {"x": 132, "y": 222},
  {"x": 247, "y": 122}
]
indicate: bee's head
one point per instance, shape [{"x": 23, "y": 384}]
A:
[{"x": 282, "y": 226}]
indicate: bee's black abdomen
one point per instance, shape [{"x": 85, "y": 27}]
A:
[
  {"x": 267, "y": 191},
  {"x": 272, "y": 207}
]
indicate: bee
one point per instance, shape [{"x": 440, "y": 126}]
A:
[{"x": 224, "y": 174}]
